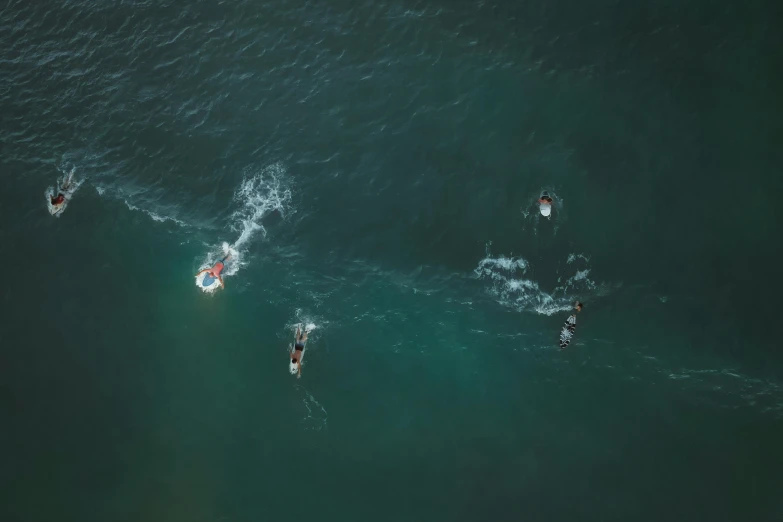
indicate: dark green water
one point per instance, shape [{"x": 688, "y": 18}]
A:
[{"x": 375, "y": 167}]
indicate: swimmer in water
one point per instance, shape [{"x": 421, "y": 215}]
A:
[
  {"x": 545, "y": 204},
  {"x": 567, "y": 333},
  {"x": 300, "y": 338},
  {"x": 216, "y": 270}
]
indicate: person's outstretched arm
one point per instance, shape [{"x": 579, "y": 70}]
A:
[
  {"x": 202, "y": 271},
  {"x": 299, "y": 367},
  {"x": 220, "y": 278}
]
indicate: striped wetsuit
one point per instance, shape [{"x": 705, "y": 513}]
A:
[{"x": 568, "y": 331}]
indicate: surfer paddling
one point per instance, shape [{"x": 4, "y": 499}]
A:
[
  {"x": 58, "y": 201},
  {"x": 567, "y": 333},
  {"x": 214, "y": 273},
  {"x": 545, "y": 204},
  {"x": 300, "y": 338}
]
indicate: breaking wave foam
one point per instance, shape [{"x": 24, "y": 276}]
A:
[{"x": 513, "y": 288}]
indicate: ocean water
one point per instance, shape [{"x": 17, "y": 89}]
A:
[{"x": 373, "y": 167}]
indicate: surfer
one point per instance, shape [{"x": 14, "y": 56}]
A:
[
  {"x": 545, "y": 204},
  {"x": 567, "y": 333},
  {"x": 300, "y": 338},
  {"x": 214, "y": 272},
  {"x": 60, "y": 199}
]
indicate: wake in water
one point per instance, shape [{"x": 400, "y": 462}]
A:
[
  {"x": 258, "y": 196},
  {"x": 136, "y": 196},
  {"x": 513, "y": 288},
  {"x": 316, "y": 416},
  {"x": 57, "y": 198}
]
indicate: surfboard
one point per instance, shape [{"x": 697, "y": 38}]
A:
[
  {"x": 292, "y": 366},
  {"x": 209, "y": 283},
  {"x": 206, "y": 282},
  {"x": 56, "y": 209},
  {"x": 67, "y": 187},
  {"x": 544, "y": 208}
]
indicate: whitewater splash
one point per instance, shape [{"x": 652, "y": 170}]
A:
[
  {"x": 513, "y": 288},
  {"x": 258, "y": 196},
  {"x": 73, "y": 186}
]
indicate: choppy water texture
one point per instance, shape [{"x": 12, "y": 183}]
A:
[{"x": 374, "y": 166}]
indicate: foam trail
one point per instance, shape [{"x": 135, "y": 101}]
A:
[
  {"x": 258, "y": 196},
  {"x": 513, "y": 289},
  {"x": 137, "y": 196},
  {"x": 153, "y": 215},
  {"x": 316, "y": 418}
]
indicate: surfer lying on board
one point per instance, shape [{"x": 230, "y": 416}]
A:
[
  {"x": 300, "y": 338},
  {"x": 545, "y": 204},
  {"x": 567, "y": 333},
  {"x": 59, "y": 199},
  {"x": 216, "y": 270}
]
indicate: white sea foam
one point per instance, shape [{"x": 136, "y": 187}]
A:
[
  {"x": 155, "y": 216},
  {"x": 258, "y": 196},
  {"x": 574, "y": 257},
  {"x": 137, "y": 197},
  {"x": 513, "y": 289}
]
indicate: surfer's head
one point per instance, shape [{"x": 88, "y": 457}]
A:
[
  {"x": 578, "y": 305},
  {"x": 293, "y": 360}
]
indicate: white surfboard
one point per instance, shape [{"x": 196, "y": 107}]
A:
[
  {"x": 544, "y": 208},
  {"x": 56, "y": 210},
  {"x": 73, "y": 186},
  {"x": 292, "y": 366}
]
